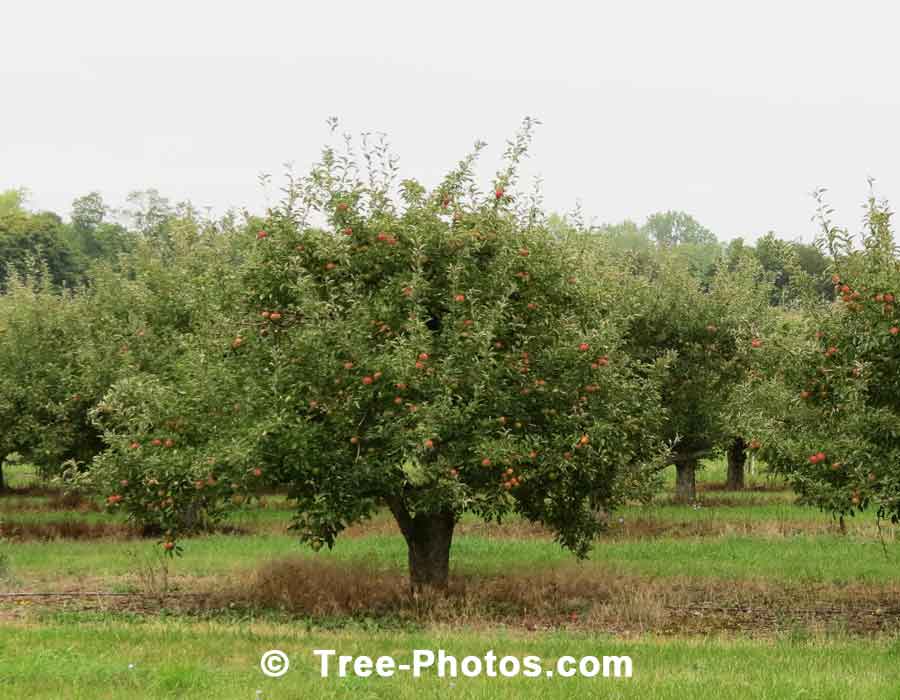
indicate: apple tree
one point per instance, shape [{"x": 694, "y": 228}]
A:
[
  {"x": 825, "y": 400},
  {"x": 429, "y": 352},
  {"x": 707, "y": 334},
  {"x": 45, "y": 387}
]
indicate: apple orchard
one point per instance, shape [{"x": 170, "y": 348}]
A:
[{"x": 371, "y": 344}]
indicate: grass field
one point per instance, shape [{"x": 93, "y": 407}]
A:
[{"x": 742, "y": 595}]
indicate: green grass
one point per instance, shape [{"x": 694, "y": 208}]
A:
[
  {"x": 81, "y": 655},
  {"x": 824, "y": 559},
  {"x": 68, "y": 660}
]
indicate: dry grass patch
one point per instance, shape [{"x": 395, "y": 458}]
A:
[
  {"x": 69, "y": 529},
  {"x": 573, "y": 597},
  {"x": 69, "y": 502}
]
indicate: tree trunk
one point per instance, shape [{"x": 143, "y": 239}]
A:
[
  {"x": 685, "y": 480},
  {"x": 428, "y": 538},
  {"x": 2, "y": 482},
  {"x": 737, "y": 458}
]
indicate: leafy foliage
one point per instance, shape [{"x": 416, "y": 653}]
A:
[{"x": 833, "y": 377}]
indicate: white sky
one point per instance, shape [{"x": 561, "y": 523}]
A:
[{"x": 730, "y": 111}]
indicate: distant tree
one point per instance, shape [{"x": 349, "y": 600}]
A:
[
  {"x": 736, "y": 458},
  {"x": 782, "y": 260},
  {"x": 89, "y": 211},
  {"x": 812, "y": 261},
  {"x": 90, "y": 233},
  {"x": 705, "y": 334},
  {"x": 694, "y": 243},
  {"x": 673, "y": 228},
  {"x": 28, "y": 238},
  {"x": 12, "y": 202},
  {"x": 149, "y": 213}
]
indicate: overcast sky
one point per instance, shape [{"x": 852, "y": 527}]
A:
[{"x": 730, "y": 111}]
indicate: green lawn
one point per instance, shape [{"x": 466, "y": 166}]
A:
[
  {"x": 68, "y": 660},
  {"x": 825, "y": 559}
]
